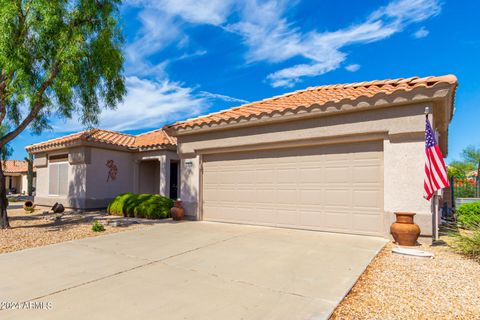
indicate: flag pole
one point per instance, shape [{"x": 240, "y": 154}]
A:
[{"x": 434, "y": 202}]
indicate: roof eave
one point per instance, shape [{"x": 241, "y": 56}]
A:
[{"x": 440, "y": 92}]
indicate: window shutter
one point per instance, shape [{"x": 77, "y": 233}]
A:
[
  {"x": 53, "y": 179},
  {"x": 63, "y": 179},
  {"x": 58, "y": 179}
]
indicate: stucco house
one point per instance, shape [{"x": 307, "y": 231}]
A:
[
  {"x": 338, "y": 158},
  {"x": 16, "y": 173},
  {"x": 89, "y": 168}
]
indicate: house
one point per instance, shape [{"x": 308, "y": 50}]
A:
[
  {"x": 89, "y": 168},
  {"x": 340, "y": 158},
  {"x": 16, "y": 173}
]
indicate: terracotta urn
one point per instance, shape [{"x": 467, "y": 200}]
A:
[
  {"x": 177, "y": 212},
  {"x": 28, "y": 206},
  {"x": 404, "y": 230}
]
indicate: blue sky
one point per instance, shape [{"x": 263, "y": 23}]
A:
[{"x": 191, "y": 57}]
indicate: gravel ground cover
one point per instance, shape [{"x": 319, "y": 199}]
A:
[
  {"x": 404, "y": 287},
  {"x": 38, "y": 229}
]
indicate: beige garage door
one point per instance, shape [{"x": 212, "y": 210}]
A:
[{"x": 335, "y": 188}]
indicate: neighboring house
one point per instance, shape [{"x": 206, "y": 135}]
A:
[
  {"x": 16, "y": 173},
  {"x": 338, "y": 158},
  {"x": 89, "y": 168}
]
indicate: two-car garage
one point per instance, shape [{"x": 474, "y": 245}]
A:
[
  {"x": 331, "y": 188},
  {"x": 337, "y": 158}
]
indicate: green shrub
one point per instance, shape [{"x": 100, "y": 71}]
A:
[
  {"x": 97, "y": 226},
  {"x": 469, "y": 214},
  {"x": 468, "y": 242},
  {"x": 150, "y": 206}
]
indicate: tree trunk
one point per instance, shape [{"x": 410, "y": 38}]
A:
[
  {"x": 30, "y": 175},
  {"x": 3, "y": 201}
]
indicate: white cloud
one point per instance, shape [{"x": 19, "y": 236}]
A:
[
  {"x": 212, "y": 12},
  {"x": 216, "y": 96},
  {"x": 323, "y": 49},
  {"x": 421, "y": 33},
  {"x": 162, "y": 25},
  {"x": 152, "y": 38},
  {"x": 151, "y": 104},
  {"x": 288, "y": 77},
  {"x": 353, "y": 67},
  {"x": 267, "y": 33},
  {"x": 148, "y": 104}
]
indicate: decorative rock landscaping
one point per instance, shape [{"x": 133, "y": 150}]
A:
[
  {"x": 404, "y": 287},
  {"x": 42, "y": 227}
]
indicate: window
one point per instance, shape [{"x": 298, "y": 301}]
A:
[
  {"x": 59, "y": 157},
  {"x": 58, "y": 179}
]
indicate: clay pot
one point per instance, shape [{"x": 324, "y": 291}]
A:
[
  {"x": 404, "y": 230},
  {"x": 58, "y": 208},
  {"x": 177, "y": 212},
  {"x": 28, "y": 206}
]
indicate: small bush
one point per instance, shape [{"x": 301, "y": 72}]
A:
[
  {"x": 468, "y": 242},
  {"x": 97, "y": 227},
  {"x": 150, "y": 206},
  {"x": 469, "y": 214}
]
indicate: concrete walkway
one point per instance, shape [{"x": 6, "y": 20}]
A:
[{"x": 188, "y": 270}]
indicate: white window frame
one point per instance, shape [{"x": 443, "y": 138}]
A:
[{"x": 49, "y": 168}]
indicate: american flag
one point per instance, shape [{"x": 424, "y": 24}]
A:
[{"x": 435, "y": 172}]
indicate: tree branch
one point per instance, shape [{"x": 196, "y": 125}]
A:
[
  {"x": 3, "y": 98},
  {"x": 37, "y": 106}
]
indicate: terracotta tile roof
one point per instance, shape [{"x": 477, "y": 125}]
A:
[
  {"x": 154, "y": 138},
  {"x": 15, "y": 166},
  {"x": 149, "y": 139},
  {"x": 315, "y": 96}
]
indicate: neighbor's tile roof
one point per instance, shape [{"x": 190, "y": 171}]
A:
[
  {"x": 154, "y": 138},
  {"x": 315, "y": 96},
  {"x": 149, "y": 139},
  {"x": 14, "y": 166}
]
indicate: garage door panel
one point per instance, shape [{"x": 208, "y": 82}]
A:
[
  {"x": 337, "y": 174},
  {"x": 337, "y": 220},
  {"x": 287, "y": 196},
  {"x": 286, "y": 176},
  {"x": 245, "y": 195},
  {"x": 332, "y": 188},
  {"x": 365, "y": 174},
  {"x": 311, "y": 196},
  {"x": 337, "y": 197},
  {"x": 310, "y": 175},
  {"x": 366, "y": 199},
  {"x": 265, "y": 196}
]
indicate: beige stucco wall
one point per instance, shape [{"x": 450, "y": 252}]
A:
[
  {"x": 76, "y": 184},
  {"x": 87, "y": 180},
  {"x": 149, "y": 176},
  {"x": 16, "y": 181},
  {"x": 20, "y": 182},
  {"x": 401, "y": 128},
  {"x": 189, "y": 186},
  {"x": 164, "y": 157},
  {"x": 403, "y": 176},
  {"x": 24, "y": 184},
  {"x": 99, "y": 191}
]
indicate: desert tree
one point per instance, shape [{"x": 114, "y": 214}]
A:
[{"x": 58, "y": 58}]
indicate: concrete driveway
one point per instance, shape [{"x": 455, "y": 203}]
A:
[{"x": 188, "y": 270}]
